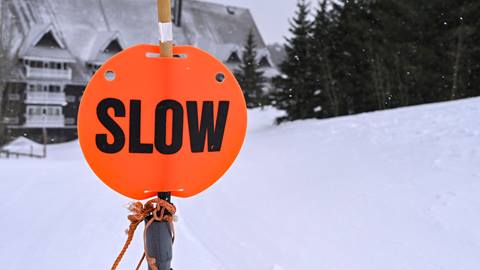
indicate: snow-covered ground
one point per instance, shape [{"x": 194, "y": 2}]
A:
[
  {"x": 390, "y": 190},
  {"x": 22, "y": 145}
]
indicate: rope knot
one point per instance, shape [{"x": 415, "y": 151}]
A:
[{"x": 159, "y": 210}]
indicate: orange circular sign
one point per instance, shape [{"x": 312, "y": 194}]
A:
[{"x": 148, "y": 124}]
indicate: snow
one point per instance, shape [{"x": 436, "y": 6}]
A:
[
  {"x": 391, "y": 190},
  {"x": 22, "y": 145}
]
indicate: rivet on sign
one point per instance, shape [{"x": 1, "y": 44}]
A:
[
  {"x": 110, "y": 75},
  {"x": 220, "y": 77}
]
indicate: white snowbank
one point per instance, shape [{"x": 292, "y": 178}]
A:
[
  {"x": 390, "y": 190},
  {"x": 23, "y": 145}
]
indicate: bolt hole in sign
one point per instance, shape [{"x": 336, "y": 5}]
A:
[{"x": 148, "y": 124}]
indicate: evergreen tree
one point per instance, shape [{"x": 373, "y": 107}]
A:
[
  {"x": 295, "y": 88},
  {"x": 472, "y": 9},
  {"x": 354, "y": 55},
  {"x": 327, "y": 94},
  {"x": 461, "y": 38},
  {"x": 249, "y": 75},
  {"x": 359, "y": 56}
]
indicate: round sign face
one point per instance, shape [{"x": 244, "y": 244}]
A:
[{"x": 148, "y": 124}]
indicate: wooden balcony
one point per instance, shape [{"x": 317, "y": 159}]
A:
[
  {"x": 46, "y": 98},
  {"x": 48, "y": 121},
  {"x": 48, "y": 73}
]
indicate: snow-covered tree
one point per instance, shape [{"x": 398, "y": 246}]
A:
[
  {"x": 249, "y": 75},
  {"x": 295, "y": 88}
]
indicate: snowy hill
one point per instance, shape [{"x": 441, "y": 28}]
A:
[{"x": 390, "y": 190}]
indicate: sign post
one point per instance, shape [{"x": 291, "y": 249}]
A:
[
  {"x": 165, "y": 27},
  {"x": 163, "y": 126},
  {"x": 159, "y": 236}
]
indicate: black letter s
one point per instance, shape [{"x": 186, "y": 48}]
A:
[{"x": 111, "y": 126}]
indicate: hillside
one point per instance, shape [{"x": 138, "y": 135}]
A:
[{"x": 396, "y": 189}]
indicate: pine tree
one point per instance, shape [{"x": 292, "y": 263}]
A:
[
  {"x": 295, "y": 88},
  {"x": 323, "y": 49},
  {"x": 461, "y": 38},
  {"x": 249, "y": 75},
  {"x": 472, "y": 70},
  {"x": 353, "y": 56}
]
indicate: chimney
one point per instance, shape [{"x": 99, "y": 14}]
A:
[{"x": 177, "y": 12}]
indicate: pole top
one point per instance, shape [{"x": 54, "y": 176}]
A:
[{"x": 164, "y": 12}]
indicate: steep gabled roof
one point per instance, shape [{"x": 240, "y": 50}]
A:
[
  {"x": 32, "y": 48},
  {"x": 222, "y": 26},
  {"x": 219, "y": 23},
  {"x": 85, "y": 28},
  {"x": 100, "y": 42},
  {"x": 264, "y": 54},
  {"x": 221, "y": 51}
]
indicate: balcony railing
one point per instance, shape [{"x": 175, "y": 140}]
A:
[
  {"x": 49, "y": 121},
  {"x": 46, "y": 98},
  {"x": 48, "y": 73}
]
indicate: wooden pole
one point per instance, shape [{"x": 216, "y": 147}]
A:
[
  {"x": 165, "y": 17},
  {"x": 159, "y": 234}
]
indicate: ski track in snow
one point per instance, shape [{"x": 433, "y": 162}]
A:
[{"x": 396, "y": 189}]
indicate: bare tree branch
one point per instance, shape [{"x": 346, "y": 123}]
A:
[{"x": 6, "y": 61}]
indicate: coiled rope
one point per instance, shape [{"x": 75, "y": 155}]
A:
[{"x": 159, "y": 210}]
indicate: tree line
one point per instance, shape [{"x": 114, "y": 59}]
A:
[{"x": 352, "y": 56}]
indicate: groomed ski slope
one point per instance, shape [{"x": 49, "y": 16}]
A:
[{"x": 392, "y": 190}]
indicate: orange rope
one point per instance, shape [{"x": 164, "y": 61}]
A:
[{"x": 161, "y": 211}]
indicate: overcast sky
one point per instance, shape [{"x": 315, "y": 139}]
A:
[{"x": 271, "y": 15}]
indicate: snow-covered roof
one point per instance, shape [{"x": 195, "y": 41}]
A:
[
  {"x": 218, "y": 23},
  {"x": 85, "y": 25},
  {"x": 28, "y": 48},
  {"x": 84, "y": 28},
  {"x": 94, "y": 52}
]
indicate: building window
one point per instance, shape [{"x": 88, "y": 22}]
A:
[
  {"x": 233, "y": 58},
  {"x": 33, "y": 110},
  {"x": 36, "y": 64},
  {"x": 54, "y": 88},
  {"x": 264, "y": 62},
  {"x": 48, "y": 40},
  {"x": 113, "y": 47},
  {"x": 231, "y": 10},
  {"x": 44, "y": 88},
  {"x": 49, "y": 65}
]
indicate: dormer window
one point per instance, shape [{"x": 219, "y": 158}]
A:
[
  {"x": 48, "y": 40},
  {"x": 113, "y": 47},
  {"x": 264, "y": 63},
  {"x": 233, "y": 58},
  {"x": 231, "y": 10}
]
